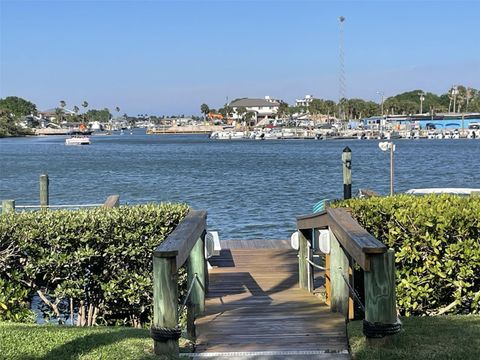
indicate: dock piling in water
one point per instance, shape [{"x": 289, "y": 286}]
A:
[
  {"x": 44, "y": 190},
  {"x": 347, "y": 173},
  {"x": 8, "y": 206}
]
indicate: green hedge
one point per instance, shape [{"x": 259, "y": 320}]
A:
[
  {"x": 436, "y": 239},
  {"x": 98, "y": 259}
]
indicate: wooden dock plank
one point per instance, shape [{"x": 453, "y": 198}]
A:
[{"x": 255, "y": 304}]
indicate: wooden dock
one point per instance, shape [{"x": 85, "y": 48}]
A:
[{"x": 256, "y": 310}]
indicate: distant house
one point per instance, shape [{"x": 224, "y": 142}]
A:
[
  {"x": 265, "y": 108},
  {"x": 51, "y": 114},
  {"x": 305, "y": 101}
]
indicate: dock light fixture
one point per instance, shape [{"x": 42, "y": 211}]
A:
[{"x": 385, "y": 146}]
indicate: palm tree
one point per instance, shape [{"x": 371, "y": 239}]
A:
[
  {"x": 62, "y": 105},
  {"x": 58, "y": 112},
  {"x": 249, "y": 116},
  {"x": 228, "y": 111},
  {"x": 205, "y": 110},
  {"x": 84, "y": 105},
  {"x": 241, "y": 111},
  {"x": 76, "y": 109}
]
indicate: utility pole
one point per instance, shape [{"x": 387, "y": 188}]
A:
[
  {"x": 342, "y": 83},
  {"x": 467, "y": 94}
]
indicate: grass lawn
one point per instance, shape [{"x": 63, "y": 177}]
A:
[
  {"x": 443, "y": 337},
  {"x": 26, "y": 341}
]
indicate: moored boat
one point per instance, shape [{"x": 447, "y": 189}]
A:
[{"x": 78, "y": 140}]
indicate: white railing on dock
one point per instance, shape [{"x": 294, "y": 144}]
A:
[
  {"x": 57, "y": 206},
  {"x": 10, "y": 206}
]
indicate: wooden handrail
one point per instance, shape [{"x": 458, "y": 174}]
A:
[
  {"x": 350, "y": 243},
  {"x": 181, "y": 241},
  {"x": 357, "y": 241},
  {"x": 184, "y": 245}
]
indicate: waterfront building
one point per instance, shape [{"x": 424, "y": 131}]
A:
[
  {"x": 263, "y": 109},
  {"x": 51, "y": 114},
  {"x": 305, "y": 101},
  {"x": 422, "y": 121}
]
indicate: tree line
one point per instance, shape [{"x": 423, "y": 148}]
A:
[
  {"x": 458, "y": 99},
  {"x": 14, "y": 109}
]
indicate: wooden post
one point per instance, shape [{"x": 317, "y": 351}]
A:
[
  {"x": 196, "y": 265},
  {"x": 347, "y": 173},
  {"x": 305, "y": 272},
  {"x": 8, "y": 206},
  {"x": 339, "y": 265},
  {"x": 380, "y": 306},
  {"x": 112, "y": 201},
  {"x": 351, "y": 279},
  {"x": 44, "y": 182},
  {"x": 328, "y": 283},
  {"x": 165, "y": 302}
]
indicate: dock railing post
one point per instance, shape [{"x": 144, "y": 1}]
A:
[
  {"x": 44, "y": 182},
  {"x": 347, "y": 173},
  {"x": 196, "y": 273},
  {"x": 8, "y": 206},
  {"x": 381, "y": 321},
  {"x": 165, "y": 331},
  {"x": 339, "y": 271}
]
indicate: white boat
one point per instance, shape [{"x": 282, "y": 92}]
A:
[
  {"x": 272, "y": 135},
  {"x": 473, "y": 131},
  {"x": 96, "y": 126},
  {"x": 227, "y": 135},
  {"x": 456, "y": 191},
  {"x": 78, "y": 140}
]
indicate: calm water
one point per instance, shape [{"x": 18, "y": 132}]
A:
[{"x": 251, "y": 189}]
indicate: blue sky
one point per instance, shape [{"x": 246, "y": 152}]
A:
[{"x": 168, "y": 57}]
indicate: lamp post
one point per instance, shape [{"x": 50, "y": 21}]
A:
[
  {"x": 454, "y": 94},
  {"x": 382, "y": 98},
  {"x": 422, "y": 98}
]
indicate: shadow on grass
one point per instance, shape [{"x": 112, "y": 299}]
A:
[{"x": 85, "y": 344}]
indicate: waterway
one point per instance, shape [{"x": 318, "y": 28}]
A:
[{"x": 251, "y": 189}]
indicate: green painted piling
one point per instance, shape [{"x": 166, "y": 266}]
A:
[{"x": 347, "y": 172}]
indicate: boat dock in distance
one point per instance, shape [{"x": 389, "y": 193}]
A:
[{"x": 362, "y": 130}]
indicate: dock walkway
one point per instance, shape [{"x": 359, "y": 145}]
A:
[{"x": 256, "y": 310}]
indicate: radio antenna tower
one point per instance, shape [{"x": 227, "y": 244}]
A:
[{"x": 342, "y": 83}]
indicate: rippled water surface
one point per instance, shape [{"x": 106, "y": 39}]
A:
[{"x": 251, "y": 189}]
